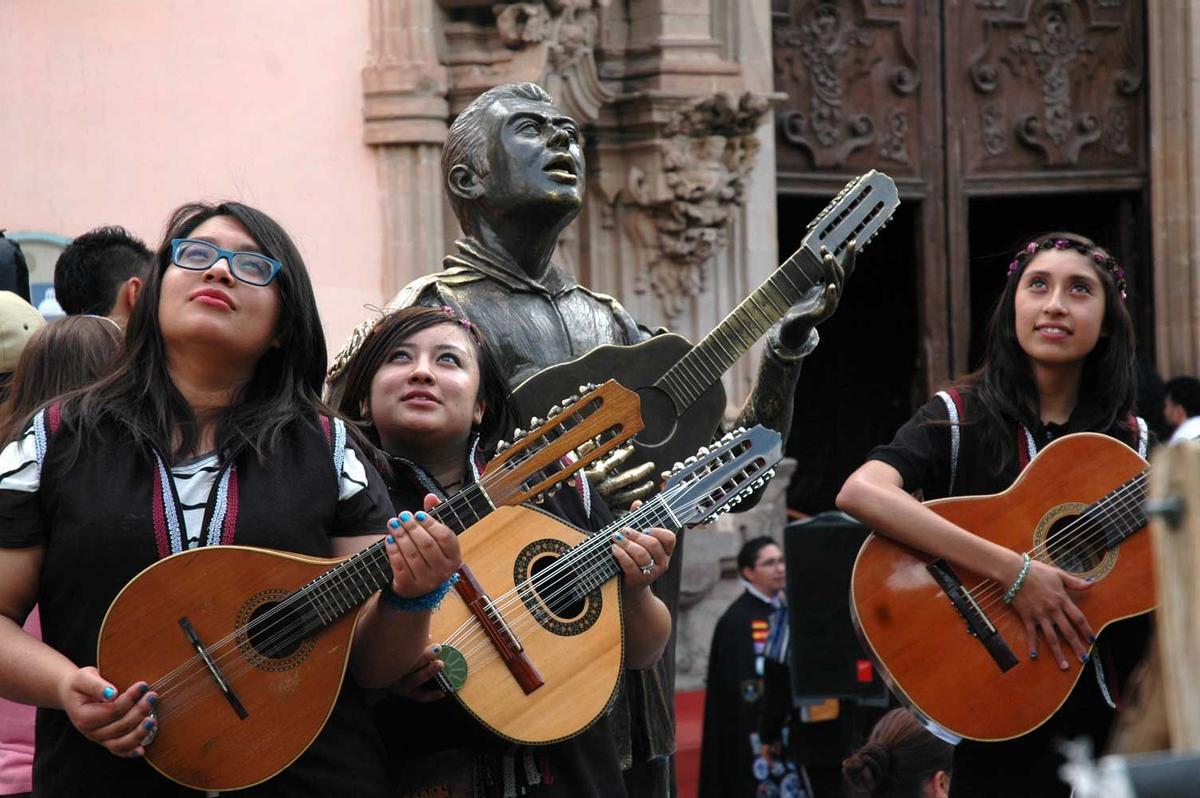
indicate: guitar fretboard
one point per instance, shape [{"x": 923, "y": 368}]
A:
[
  {"x": 1120, "y": 513},
  {"x": 339, "y": 590},
  {"x": 716, "y": 353}
]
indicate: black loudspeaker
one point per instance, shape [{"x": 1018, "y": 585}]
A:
[{"x": 827, "y": 660}]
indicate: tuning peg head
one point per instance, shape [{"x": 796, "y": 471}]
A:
[
  {"x": 703, "y": 452},
  {"x": 554, "y": 411},
  {"x": 690, "y": 460},
  {"x": 665, "y": 475},
  {"x": 677, "y": 467},
  {"x": 535, "y": 422},
  {"x": 502, "y": 445},
  {"x": 518, "y": 433},
  {"x": 572, "y": 399}
]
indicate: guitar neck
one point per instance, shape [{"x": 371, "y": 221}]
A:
[
  {"x": 716, "y": 353},
  {"x": 592, "y": 559},
  {"x": 1120, "y": 513},
  {"x": 346, "y": 586}
]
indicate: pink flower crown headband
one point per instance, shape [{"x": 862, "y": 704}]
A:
[
  {"x": 465, "y": 322},
  {"x": 1097, "y": 255}
]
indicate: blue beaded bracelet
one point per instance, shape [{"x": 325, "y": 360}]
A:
[
  {"x": 429, "y": 601},
  {"x": 1011, "y": 593}
]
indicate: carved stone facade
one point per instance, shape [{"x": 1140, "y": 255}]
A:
[{"x": 678, "y": 221}]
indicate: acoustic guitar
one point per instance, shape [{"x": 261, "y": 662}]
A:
[
  {"x": 246, "y": 648},
  {"x": 942, "y": 636},
  {"x": 680, "y": 386},
  {"x": 533, "y": 641}
]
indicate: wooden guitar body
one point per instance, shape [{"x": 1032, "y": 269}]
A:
[
  {"x": 671, "y": 433},
  {"x": 577, "y": 654},
  {"x": 201, "y": 741},
  {"x": 920, "y": 639}
]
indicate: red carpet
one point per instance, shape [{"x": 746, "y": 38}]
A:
[{"x": 689, "y": 722}]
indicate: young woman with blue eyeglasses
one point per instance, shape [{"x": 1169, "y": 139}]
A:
[{"x": 211, "y": 431}]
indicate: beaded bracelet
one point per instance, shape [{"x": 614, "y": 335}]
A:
[
  {"x": 1011, "y": 593},
  {"x": 429, "y": 601}
]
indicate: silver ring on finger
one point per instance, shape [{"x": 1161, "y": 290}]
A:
[
  {"x": 150, "y": 735},
  {"x": 648, "y": 567}
]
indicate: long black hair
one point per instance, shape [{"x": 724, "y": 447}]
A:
[
  {"x": 1002, "y": 391},
  {"x": 397, "y": 327},
  {"x": 285, "y": 387}
]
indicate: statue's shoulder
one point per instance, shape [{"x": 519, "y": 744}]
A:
[{"x": 424, "y": 290}]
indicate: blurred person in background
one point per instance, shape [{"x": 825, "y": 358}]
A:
[
  {"x": 19, "y": 320},
  {"x": 101, "y": 273},
  {"x": 59, "y": 357}
]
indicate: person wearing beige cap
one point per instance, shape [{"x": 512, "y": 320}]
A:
[{"x": 18, "y": 321}]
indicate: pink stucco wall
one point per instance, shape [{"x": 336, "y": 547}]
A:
[{"x": 116, "y": 112}]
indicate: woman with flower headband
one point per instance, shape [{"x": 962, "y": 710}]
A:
[
  {"x": 425, "y": 389},
  {"x": 1059, "y": 359}
]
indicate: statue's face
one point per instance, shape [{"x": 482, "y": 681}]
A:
[{"x": 535, "y": 156}]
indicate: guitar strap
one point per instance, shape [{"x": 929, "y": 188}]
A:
[{"x": 954, "y": 409}]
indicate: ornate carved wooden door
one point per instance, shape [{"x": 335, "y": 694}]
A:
[{"x": 999, "y": 119}]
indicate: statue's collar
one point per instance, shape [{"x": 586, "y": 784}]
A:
[{"x": 474, "y": 255}]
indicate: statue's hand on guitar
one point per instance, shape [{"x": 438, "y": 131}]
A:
[
  {"x": 1044, "y": 603},
  {"x": 819, "y": 302},
  {"x": 423, "y": 552},
  {"x": 619, "y": 490},
  {"x": 121, "y": 723}
]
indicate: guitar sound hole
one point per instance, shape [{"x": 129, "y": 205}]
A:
[
  {"x": 557, "y": 589},
  {"x": 659, "y": 416},
  {"x": 1076, "y": 546},
  {"x": 277, "y": 636},
  {"x": 556, "y": 596}
]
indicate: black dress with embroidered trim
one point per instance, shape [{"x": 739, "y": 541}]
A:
[{"x": 95, "y": 520}]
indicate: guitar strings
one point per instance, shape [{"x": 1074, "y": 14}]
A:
[
  {"x": 1078, "y": 535},
  {"x": 323, "y": 585},
  {"x": 1082, "y": 532},
  {"x": 184, "y": 702},
  {"x": 551, "y": 588},
  {"x": 589, "y": 548},
  {"x": 1075, "y": 537}
]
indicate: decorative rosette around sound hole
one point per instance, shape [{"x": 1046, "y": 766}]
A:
[{"x": 552, "y": 591}]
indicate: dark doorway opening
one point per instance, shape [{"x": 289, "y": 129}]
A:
[{"x": 856, "y": 389}]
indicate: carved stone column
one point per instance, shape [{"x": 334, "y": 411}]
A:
[
  {"x": 405, "y": 110},
  {"x": 1175, "y": 194}
]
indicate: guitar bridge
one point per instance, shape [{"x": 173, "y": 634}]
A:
[
  {"x": 498, "y": 631},
  {"x": 978, "y": 623}
]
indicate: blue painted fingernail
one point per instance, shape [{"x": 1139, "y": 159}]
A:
[
  {"x": 108, "y": 693},
  {"x": 437, "y": 650},
  {"x": 1091, "y": 638},
  {"x": 394, "y": 524},
  {"x": 391, "y": 539},
  {"x": 1083, "y": 658},
  {"x": 145, "y": 688},
  {"x": 421, "y": 516},
  {"x": 148, "y": 725},
  {"x": 620, "y": 536},
  {"x": 137, "y": 753},
  {"x": 406, "y": 516},
  {"x": 153, "y": 700},
  {"x": 1032, "y": 654}
]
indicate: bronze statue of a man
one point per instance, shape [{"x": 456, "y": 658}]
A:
[{"x": 515, "y": 170}]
